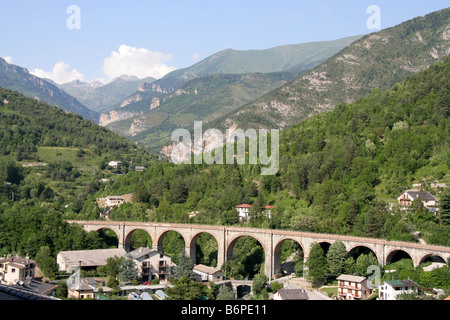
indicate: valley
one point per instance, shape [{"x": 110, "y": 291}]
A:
[{"x": 361, "y": 186}]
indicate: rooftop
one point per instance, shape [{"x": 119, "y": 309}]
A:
[
  {"x": 89, "y": 258},
  {"x": 205, "y": 269},
  {"x": 16, "y": 260},
  {"x": 401, "y": 283},
  {"x": 347, "y": 277},
  {"x": 10, "y": 293},
  {"x": 293, "y": 294},
  {"x": 422, "y": 195},
  {"x": 243, "y": 205}
]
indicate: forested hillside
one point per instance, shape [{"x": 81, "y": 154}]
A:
[
  {"x": 51, "y": 161},
  {"x": 340, "y": 172}
]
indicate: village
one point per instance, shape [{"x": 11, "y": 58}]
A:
[{"x": 20, "y": 275}]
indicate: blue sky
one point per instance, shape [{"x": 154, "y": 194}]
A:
[{"x": 145, "y": 37}]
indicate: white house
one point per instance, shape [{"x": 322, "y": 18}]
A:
[
  {"x": 244, "y": 211},
  {"x": 268, "y": 211},
  {"x": 352, "y": 287},
  {"x": 115, "y": 164},
  {"x": 406, "y": 198},
  {"x": 114, "y": 201},
  {"x": 206, "y": 273},
  {"x": 14, "y": 269},
  {"x": 152, "y": 264},
  {"x": 391, "y": 289}
]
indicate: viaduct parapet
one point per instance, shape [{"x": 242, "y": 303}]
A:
[{"x": 271, "y": 241}]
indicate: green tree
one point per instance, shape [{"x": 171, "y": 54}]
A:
[
  {"x": 112, "y": 267},
  {"x": 363, "y": 262},
  {"x": 444, "y": 208},
  {"x": 350, "y": 265},
  {"x": 317, "y": 266},
  {"x": 336, "y": 257},
  {"x": 375, "y": 221},
  {"x": 184, "y": 267},
  {"x": 257, "y": 208},
  {"x": 275, "y": 286},
  {"x": 128, "y": 269},
  {"x": 259, "y": 283},
  {"x": 225, "y": 293},
  {"x": 46, "y": 262},
  {"x": 211, "y": 291},
  {"x": 185, "y": 288},
  {"x": 61, "y": 291}
]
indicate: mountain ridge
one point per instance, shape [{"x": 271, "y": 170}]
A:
[
  {"x": 19, "y": 79},
  {"x": 376, "y": 60}
]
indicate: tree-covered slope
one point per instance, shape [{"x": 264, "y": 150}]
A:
[
  {"x": 51, "y": 162},
  {"x": 27, "y": 124},
  {"x": 340, "y": 171}
]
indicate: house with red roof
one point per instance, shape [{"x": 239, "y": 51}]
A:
[{"x": 244, "y": 211}]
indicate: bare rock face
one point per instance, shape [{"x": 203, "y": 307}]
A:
[
  {"x": 156, "y": 102},
  {"x": 132, "y": 99},
  {"x": 152, "y": 87},
  {"x": 113, "y": 116}
]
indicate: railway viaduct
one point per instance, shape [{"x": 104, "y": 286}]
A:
[{"x": 271, "y": 241}]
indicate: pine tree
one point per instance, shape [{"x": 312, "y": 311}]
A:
[
  {"x": 444, "y": 208},
  {"x": 185, "y": 267},
  {"x": 317, "y": 265},
  {"x": 336, "y": 257},
  {"x": 128, "y": 269}
]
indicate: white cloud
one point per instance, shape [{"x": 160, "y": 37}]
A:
[
  {"x": 138, "y": 62},
  {"x": 61, "y": 73},
  {"x": 8, "y": 59}
]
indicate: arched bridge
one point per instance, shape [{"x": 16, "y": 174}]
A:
[{"x": 271, "y": 241}]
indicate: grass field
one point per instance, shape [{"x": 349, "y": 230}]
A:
[{"x": 86, "y": 161}]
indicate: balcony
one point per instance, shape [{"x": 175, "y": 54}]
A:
[{"x": 349, "y": 286}]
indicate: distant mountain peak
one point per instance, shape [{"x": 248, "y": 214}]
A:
[{"x": 126, "y": 77}]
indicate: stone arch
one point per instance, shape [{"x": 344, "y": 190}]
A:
[
  {"x": 433, "y": 257},
  {"x": 277, "y": 254},
  {"x": 325, "y": 245},
  {"x": 107, "y": 236},
  {"x": 160, "y": 238},
  {"x": 230, "y": 247},
  {"x": 242, "y": 290},
  {"x": 193, "y": 248},
  {"x": 127, "y": 240},
  {"x": 362, "y": 249},
  {"x": 396, "y": 255}
]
